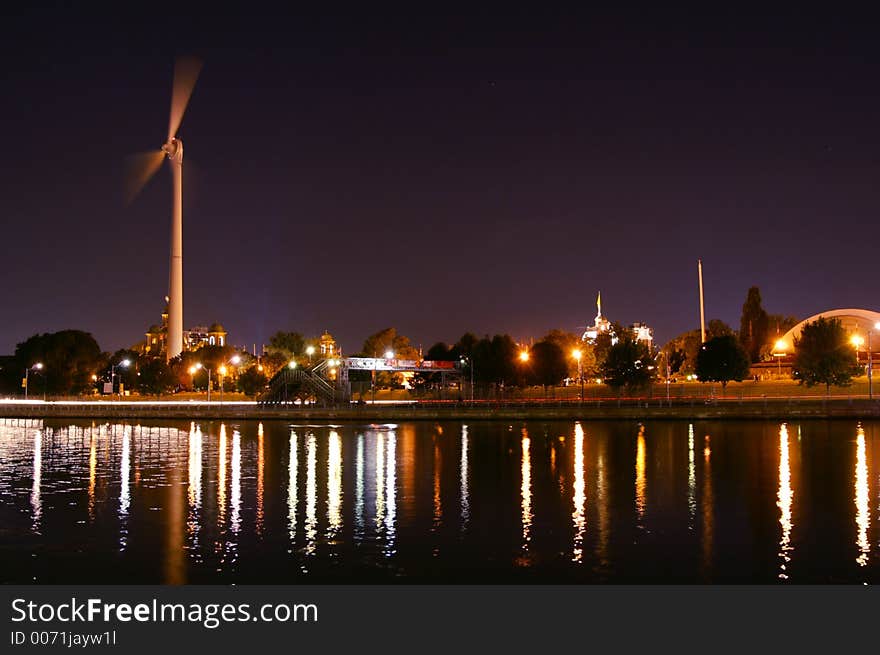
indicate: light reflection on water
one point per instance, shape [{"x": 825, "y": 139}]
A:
[
  {"x": 571, "y": 501},
  {"x": 863, "y": 511},
  {"x": 784, "y": 502},
  {"x": 579, "y": 498}
]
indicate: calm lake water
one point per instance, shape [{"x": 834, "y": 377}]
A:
[{"x": 273, "y": 502}]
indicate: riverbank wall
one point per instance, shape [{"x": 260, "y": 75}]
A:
[{"x": 787, "y": 409}]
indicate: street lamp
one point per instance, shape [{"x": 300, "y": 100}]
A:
[
  {"x": 577, "y": 354},
  {"x": 523, "y": 356},
  {"x": 222, "y": 370},
  {"x": 36, "y": 367},
  {"x": 389, "y": 354},
  {"x": 125, "y": 363},
  {"x": 310, "y": 351},
  {"x": 470, "y": 362},
  {"x": 193, "y": 370},
  {"x": 856, "y": 340},
  {"x": 779, "y": 353}
]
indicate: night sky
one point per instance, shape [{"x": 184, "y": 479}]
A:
[{"x": 480, "y": 172}]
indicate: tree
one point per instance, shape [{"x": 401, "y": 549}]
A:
[
  {"x": 568, "y": 343},
  {"x": 439, "y": 352},
  {"x": 778, "y": 325},
  {"x": 823, "y": 355},
  {"x": 722, "y": 359},
  {"x": 753, "y": 325},
  {"x": 388, "y": 339},
  {"x": 683, "y": 350},
  {"x": 287, "y": 344},
  {"x": 70, "y": 358},
  {"x": 628, "y": 365},
  {"x": 605, "y": 340},
  {"x": 549, "y": 364},
  {"x": 155, "y": 376},
  {"x": 252, "y": 381},
  {"x": 376, "y": 345}
]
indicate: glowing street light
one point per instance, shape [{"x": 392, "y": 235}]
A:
[
  {"x": 389, "y": 354},
  {"x": 523, "y": 356},
  {"x": 222, "y": 370},
  {"x": 36, "y": 367},
  {"x": 856, "y": 340},
  {"x": 310, "y": 351},
  {"x": 577, "y": 354},
  {"x": 779, "y": 352},
  {"x": 125, "y": 363}
]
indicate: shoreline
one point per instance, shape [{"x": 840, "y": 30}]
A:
[{"x": 735, "y": 409}]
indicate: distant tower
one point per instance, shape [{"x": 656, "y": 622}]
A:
[
  {"x": 600, "y": 324},
  {"x": 702, "y": 313}
]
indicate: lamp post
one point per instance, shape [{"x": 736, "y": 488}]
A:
[
  {"x": 310, "y": 351},
  {"x": 125, "y": 363},
  {"x": 36, "y": 367},
  {"x": 857, "y": 341},
  {"x": 523, "y": 359},
  {"x": 577, "y": 354},
  {"x": 193, "y": 370},
  {"x": 235, "y": 359},
  {"x": 779, "y": 353}
]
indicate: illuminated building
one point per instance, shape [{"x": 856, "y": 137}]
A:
[
  {"x": 156, "y": 337},
  {"x": 601, "y": 325},
  {"x": 328, "y": 346}
]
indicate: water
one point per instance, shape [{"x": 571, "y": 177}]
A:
[{"x": 619, "y": 502}]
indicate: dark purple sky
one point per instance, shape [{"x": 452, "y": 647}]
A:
[{"x": 438, "y": 173}]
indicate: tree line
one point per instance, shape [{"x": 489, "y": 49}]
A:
[{"x": 72, "y": 363}]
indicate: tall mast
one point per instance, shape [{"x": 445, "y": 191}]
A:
[{"x": 702, "y": 312}]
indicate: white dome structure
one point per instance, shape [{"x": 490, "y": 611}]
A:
[{"x": 855, "y": 321}]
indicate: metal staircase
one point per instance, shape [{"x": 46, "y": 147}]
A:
[{"x": 306, "y": 384}]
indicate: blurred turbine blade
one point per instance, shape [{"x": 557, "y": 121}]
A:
[
  {"x": 186, "y": 71},
  {"x": 138, "y": 171}
]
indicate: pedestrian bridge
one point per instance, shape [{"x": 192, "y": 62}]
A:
[{"x": 328, "y": 382}]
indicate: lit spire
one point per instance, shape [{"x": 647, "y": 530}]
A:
[{"x": 599, "y": 306}]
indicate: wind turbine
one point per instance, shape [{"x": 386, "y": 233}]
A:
[{"x": 144, "y": 166}]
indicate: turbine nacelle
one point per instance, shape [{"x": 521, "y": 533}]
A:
[{"x": 173, "y": 148}]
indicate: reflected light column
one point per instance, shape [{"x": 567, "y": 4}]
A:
[
  {"x": 692, "y": 479},
  {"x": 359, "y": 490},
  {"x": 380, "y": 481},
  {"x": 334, "y": 485},
  {"x": 292, "y": 465},
  {"x": 391, "y": 494},
  {"x": 93, "y": 465},
  {"x": 465, "y": 498},
  {"x": 194, "y": 489},
  {"x": 221, "y": 478},
  {"x": 640, "y": 476},
  {"x": 124, "y": 492},
  {"x": 235, "y": 494},
  {"x": 526, "y": 490},
  {"x": 863, "y": 511},
  {"x": 579, "y": 497},
  {"x": 437, "y": 518},
  {"x": 36, "y": 500},
  {"x": 261, "y": 463},
  {"x": 784, "y": 501},
  {"x": 311, "y": 493}
]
